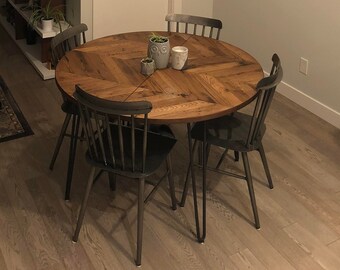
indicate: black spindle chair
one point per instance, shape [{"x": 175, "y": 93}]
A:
[
  {"x": 60, "y": 44},
  {"x": 120, "y": 143},
  {"x": 241, "y": 133},
  {"x": 186, "y": 20}
]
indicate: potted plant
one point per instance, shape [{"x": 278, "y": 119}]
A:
[
  {"x": 46, "y": 15},
  {"x": 147, "y": 66},
  {"x": 159, "y": 50}
]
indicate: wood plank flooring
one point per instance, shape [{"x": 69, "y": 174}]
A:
[{"x": 300, "y": 217}]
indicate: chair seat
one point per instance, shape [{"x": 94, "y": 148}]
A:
[
  {"x": 159, "y": 145},
  {"x": 70, "y": 107},
  {"x": 230, "y": 132},
  {"x": 163, "y": 130}
]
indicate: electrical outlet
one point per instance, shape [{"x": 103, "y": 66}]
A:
[{"x": 303, "y": 66}]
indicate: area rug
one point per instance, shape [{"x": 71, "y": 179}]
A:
[{"x": 13, "y": 124}]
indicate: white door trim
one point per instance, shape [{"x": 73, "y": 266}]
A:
[{"x": 171, "y": 6}]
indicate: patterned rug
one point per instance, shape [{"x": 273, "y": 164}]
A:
[{"x": 13, "y": 124}]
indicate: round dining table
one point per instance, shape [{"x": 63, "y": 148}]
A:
[{"x": 218, "y": 79}]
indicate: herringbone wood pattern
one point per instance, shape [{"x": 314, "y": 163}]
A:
[{"x": 218, "y": 78}]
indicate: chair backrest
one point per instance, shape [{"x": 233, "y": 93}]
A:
[
  {"x": 188, "y": 20},
  {"x": 266, "y": 90},
  {"x": 66, "y": 41},
  {"x": 111, "y": 131}
]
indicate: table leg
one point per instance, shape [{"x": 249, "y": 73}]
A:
[
  {"x": 204, "y": 181},
  {"x": 199, "y": 234}
]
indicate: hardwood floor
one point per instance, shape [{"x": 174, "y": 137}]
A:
[{"x": 300, "y": 217}]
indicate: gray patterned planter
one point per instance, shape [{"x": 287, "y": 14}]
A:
[
  {"x": 147, "y": 66},
  {"x": 159, "y": 52}
]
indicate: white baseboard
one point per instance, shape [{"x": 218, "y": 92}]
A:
[{"x": 314, "y": 106}]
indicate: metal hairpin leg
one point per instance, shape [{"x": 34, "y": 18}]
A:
[
  {"x": 204, "y": 185},
  {"x": 199, "y": 234},
  {"x": 186, "y": 184}
]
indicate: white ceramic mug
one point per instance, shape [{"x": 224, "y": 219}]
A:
[{"x": 179, "y": 56}]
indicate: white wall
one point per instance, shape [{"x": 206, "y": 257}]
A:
[
  {"x": 120, "y": 16},
  {"x": 86, "y": 8},
  {"x": 293, "y": 29},
  {"x": 202, "y": 8},
  {"x": 175, "y": 6}
]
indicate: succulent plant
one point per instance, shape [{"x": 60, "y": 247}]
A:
[
  {"x": 47, "y": 13},
  {"x": 157, "y": 38}
]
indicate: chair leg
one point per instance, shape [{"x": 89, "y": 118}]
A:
[
  {"x": 250, "y": 188},
  {"x": 221, "y": 159},
  {"x": 60, "y": 139},
  {"x": 200, "y": 158},
  {"x": 83, "y": 205},
  {"x": 72, "y": 154},
  {"x": 266, "y": 167},
  {"x": 208, "y": 151},
  {"x": 141, "y": 183},
  {"x": 112, "y": 181},
  {"x": 205, "y": 155},
  {"x": 82, "y": 135},
  {"x": 171, "y": 183},
  {"x": 186, "y": 184},
  {"x": 237, "y": 155}
]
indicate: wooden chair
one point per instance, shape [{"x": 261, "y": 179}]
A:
[
  {"x": 241, "y": 133},
  {"x": 60, "y": 44},
  {"x": 129, "y": 150},
  {"x": 187, "y": 20},
  {"x": 66, "y": 41},
  {"x": 178, "y": 20}
]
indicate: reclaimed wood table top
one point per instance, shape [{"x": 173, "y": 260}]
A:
[{"x": 219, "y": 78}]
